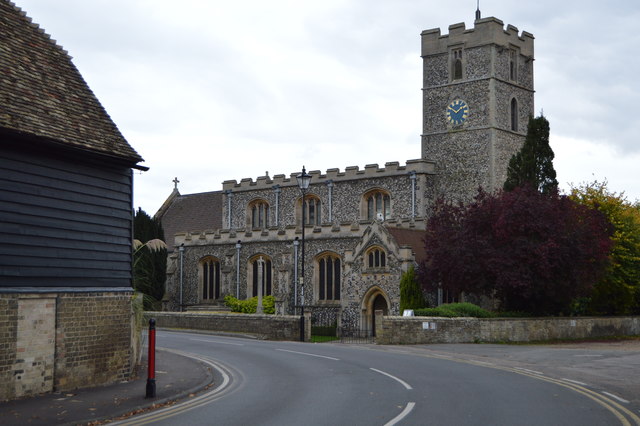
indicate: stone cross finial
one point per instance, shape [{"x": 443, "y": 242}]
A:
[{"x": 175, "y": 183}]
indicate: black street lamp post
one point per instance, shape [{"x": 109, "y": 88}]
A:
[{"x": 303, "y": 183}]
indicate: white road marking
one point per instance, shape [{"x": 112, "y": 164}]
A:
[
  {"x": 217, "y": 341},
  {"x": 308, "y": 354},
  {"x": 402, "y": 382},
  {"x": 589, "y": 355},
  {"x": 529, "y": 371},
  {"x": 575, "y": 382},
  {"x": 615, "y": 397},
  {"x": 402, "y": 415}
]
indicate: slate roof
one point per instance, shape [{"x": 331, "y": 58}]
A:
[
  {"x": 191, "y": 212},
  {"x": 43, "y": 94},
  {"x": 412, "y": 238}
]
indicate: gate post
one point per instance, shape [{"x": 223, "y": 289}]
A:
[
  {"x": 378, "y": 332},
  {"x": 307, "y": 326}
]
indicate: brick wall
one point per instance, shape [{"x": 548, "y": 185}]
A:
[
  {"x": 62, "y": 341},
  {"x": 93, "y": 339},
  {"x": 8, "y": 343},
  {"x": 421, "y": 330}
]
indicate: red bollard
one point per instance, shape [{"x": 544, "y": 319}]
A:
[{"x": 151, "y": 368}]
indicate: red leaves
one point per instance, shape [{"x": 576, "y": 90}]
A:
[{"x": 535, "y": 252}]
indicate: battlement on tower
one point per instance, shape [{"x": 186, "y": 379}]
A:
[
  {"x": 420, "y": 166},
  {"x": 485, "y": 31}
]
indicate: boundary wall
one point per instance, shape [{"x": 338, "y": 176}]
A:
[
  {"x": 396, "y": 330},
  {"x": 267, "y": 327},
  {"x": 421, "y": 330}
]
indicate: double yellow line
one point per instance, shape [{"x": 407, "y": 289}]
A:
[
  {"x": 212, "y": 395},
  {"x": 626, "y": 416}
]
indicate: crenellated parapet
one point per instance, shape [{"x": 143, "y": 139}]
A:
[
  {"x": 485, "y": 31},
  {"x": 419, "y": 166}
]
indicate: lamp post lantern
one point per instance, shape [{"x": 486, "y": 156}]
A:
[{"x": 303, "y": 183}]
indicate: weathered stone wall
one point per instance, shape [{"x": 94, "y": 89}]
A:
[
  {"x": 62, "y": 341},
  {"x": 420, "y": 330},
  {"x": 346, "y": 200},
  {"x": 268, "y": 327},
  {"x": 93, "y": 339}
]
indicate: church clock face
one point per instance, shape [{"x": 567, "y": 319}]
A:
[{"x": 457, "y": 112}]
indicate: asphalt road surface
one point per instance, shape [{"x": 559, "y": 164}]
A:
[{"x": 292, "y": 383}]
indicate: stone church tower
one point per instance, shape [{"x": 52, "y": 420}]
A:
[{"x": 477, "y": 99}]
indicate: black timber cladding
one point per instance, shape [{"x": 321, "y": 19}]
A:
[{"x": 64, "y": 223}]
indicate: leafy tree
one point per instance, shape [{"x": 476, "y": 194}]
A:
[
  {"x": 618, "y": 292},
  {"x": 149, "y": 271},
  {"x": 411, "y": 296},
  {"x": 534, "y": 252},
  {"x": 533, "y": 165}
]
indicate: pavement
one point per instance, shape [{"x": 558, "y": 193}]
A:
[
  {"x": 177, "y": 377},
  {"x": 611, "y": 365}
]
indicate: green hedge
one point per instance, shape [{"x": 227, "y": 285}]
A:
[
  {"x": 452, "y": 310},
  {"x": 249, "y": 306}
]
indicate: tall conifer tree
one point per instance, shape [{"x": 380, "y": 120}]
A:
[{"x": 533, "y": 165}]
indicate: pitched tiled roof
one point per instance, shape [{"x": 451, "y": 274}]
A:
[
  {"x": 43, "y": 94},
  {"x": 412, "y": 238},
  {"x": 192, "y": 212}
]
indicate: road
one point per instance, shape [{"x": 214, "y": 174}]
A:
[{"x": 292, "y": 383}]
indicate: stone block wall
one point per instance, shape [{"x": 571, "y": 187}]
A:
[
  {"x": 268, "y": 327},
  {"x": 62, "y": 341},
  {"x": 421, "y": 330}
]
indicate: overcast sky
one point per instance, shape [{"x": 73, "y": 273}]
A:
[{"x": 208, "y": 91}]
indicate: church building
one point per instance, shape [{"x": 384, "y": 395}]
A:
[{"x": 362, "y": 227}]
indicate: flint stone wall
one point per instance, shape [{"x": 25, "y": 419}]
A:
[
  {"x": 267, "y": 327},
  {"x": 420, "y": 330}
]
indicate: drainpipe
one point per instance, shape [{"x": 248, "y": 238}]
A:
[
  {"x": 229, "y": 194},
  {"x": 238, "y": 247},
  {"x": 277, "y": 190},
  {"x": 412, "y": 176},
  {"x": 181, "y": 250},
  {"x": 330, "y": 186}
]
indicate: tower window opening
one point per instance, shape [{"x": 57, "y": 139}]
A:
[
  {"x": 513, "y": 65},
  {"x": 457, "y": 64},
  {"x": 514, "y": 115}
]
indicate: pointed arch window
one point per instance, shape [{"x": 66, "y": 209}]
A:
[
  {"x": 376, "y": 258},
  {"x": 328, "y": 272},
  {"x": 456, "y": 64},
  {"x": 210, "y": 274},
  {"x": 378, "y": 205},
  {"x": 514, "y": 115},
  {"x": 260, "y": 268}
]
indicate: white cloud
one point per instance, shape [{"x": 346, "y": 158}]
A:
[{"x": 214, "y": 90}]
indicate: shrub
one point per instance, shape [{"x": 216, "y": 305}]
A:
[
  {"x": 452, "y": 310},
  {"x": 411, "y": 296},
  {"x": 250, "y": 306}
]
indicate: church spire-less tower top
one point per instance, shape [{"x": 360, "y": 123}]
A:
[{"x": 477, "y": 98}]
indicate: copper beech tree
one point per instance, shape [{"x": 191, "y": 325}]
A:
[{"x": 534, "y": 252}]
